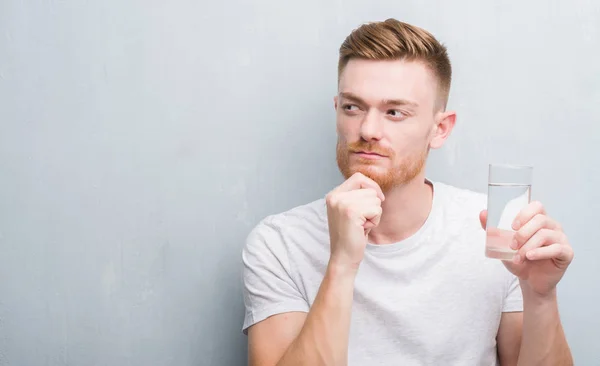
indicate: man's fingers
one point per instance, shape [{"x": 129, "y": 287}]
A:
[
  {"x": 354, "y": 198},
  {"x": 543, "y": 237},
  {"x": 368, "y": 209},
  {"x": 538, "y": 222},
  {"x": 372, "y": 214},
  {"x": 359, "y": 198},
  {"x": 361, "y": 203},
  {"x": 527, "y": 214},
  {"x": 362, "y": 193},
  {"x": 558, "y": 252},
  {"x": 483, "y": 218},
  {"x": 359, "y": 181}
]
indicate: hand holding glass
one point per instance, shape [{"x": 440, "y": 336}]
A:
[{"x": 509, "y": 191}]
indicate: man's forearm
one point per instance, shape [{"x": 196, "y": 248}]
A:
[
  {"x": 543, "y": 341},
  {"x": 323, "y": 339}
]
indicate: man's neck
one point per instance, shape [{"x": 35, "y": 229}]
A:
[{"x": 405, "y": 210}]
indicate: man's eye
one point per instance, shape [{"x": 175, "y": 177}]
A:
[
  {"x": 350, "y": 107},
  {"x": 396, "y": 113}
]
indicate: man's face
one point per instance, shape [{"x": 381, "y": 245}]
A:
[{"x": 386, "y": 119}]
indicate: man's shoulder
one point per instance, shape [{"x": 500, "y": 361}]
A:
[
  {"x": 277, "y": 227},
  {"x": 460, "y": 207},
  {"x": 300, "y": 216},
  {"x": 459, "y": 198}
]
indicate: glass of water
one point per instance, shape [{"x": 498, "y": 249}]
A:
[{"x": 509, "y": 191}]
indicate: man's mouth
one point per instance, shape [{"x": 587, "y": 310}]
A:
[{"x": 369, "y": 154}]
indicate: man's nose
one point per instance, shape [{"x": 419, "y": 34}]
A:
[{"x": 371, "y": 127}]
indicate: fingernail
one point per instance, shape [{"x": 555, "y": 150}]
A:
[
  {"x": 516, "y": 225},
  {"x": 514, "y": 244},
  {"x": 517, "y": 259},
  {"x": 530, "y": 255}
]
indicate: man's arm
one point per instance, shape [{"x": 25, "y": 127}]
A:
[
  {"x": 353, "y": 209},
  {"x": 509, "y": 338},
  {"x": 319, "y": 338},
  {"x": 269, "y": 339},
  {"x": 543, "y": 341},
  {"x": 535, "y": 336},
  {"x": 543, "y": 255}
]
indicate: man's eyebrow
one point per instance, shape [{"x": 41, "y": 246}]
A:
[
  {"x": 352, "y": 97},
  {"x": 397, "y": 102},
  {"x": 400, "y": 102}
]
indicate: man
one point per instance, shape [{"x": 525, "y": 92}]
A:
[{"x": 389, "y": 269}]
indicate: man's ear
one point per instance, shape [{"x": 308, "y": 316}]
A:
[
  {"x": 443, "y": 127},
  {"x": 335, "y": 102}
]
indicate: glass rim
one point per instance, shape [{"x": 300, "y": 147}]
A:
[{"x": 511, "y": 166}]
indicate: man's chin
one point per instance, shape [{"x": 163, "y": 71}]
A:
[{"x": 378, "y": 175}]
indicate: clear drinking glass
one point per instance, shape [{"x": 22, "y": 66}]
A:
[{"x": 509, "y": 191}]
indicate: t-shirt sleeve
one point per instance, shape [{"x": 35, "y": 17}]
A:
[
  {"x": 514, "y": 298},
  {"x": 267, "y": 279}
]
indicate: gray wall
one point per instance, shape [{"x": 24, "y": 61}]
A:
[{"x": 141, "y": 141}]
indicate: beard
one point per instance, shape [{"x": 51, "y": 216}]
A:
[{"x": 397, "y": 175}]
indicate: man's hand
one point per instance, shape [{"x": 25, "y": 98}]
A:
[
  {"x": 543, "y": 250},
  {"x": 353, "y": 209},
  {"x": 321, "y": 337}
]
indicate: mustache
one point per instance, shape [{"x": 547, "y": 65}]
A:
[{"x": 366, "y": 146}]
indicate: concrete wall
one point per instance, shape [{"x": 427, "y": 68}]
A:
[{"x": 140, "y": 141}]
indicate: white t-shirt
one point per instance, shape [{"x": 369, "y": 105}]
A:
[{"x": 432, "y": 299}]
